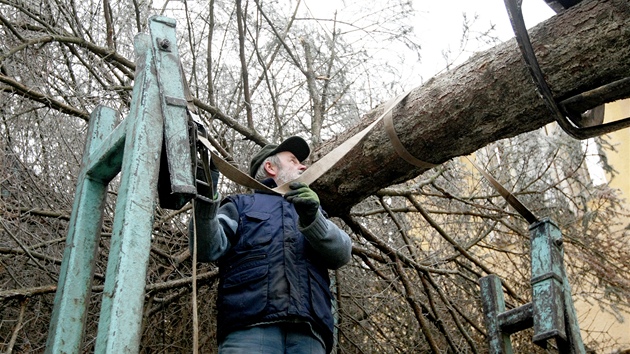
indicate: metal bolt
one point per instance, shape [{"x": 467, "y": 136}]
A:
[
  {"x": 164, "y": 44},
  {"x": 558, "y": 242}
]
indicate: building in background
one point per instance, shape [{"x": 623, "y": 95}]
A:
[{"x": 615, "y": 325}]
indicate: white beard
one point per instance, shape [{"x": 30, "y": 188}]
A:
[{"x": 285, "y": 176}]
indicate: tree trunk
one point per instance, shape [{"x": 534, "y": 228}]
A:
[{"x": 488, "y": 98}]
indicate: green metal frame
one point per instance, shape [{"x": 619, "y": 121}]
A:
[
  {"x": 157, "y": 124},
  {"x": 551, "y": 312}
]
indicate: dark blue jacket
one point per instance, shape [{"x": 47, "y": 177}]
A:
[{"x": 271, "y": 273}]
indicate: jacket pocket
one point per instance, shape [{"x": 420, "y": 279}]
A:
[
  {"x": 243, "y": 292},
  {"x": 255, "y": 229},
  {"x": 246, "y": 269}
]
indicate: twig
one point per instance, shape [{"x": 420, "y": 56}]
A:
[
  {"x": 456, "y": 245},
  {"x": 385, "y": 248},
  {"x": 6, "y": 295},
  {"x": 417, "y": 309},
  {"x": 26, "y": 250},
  {"x": 18, "y": 326}
]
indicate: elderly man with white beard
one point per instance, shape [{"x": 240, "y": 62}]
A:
[{"x": 274, "y": 253}]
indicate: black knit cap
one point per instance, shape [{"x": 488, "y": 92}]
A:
[{"x": 294, "y": 144}]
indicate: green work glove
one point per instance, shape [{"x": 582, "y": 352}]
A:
[
  {"x": 305, "y": 200},
  {"x": 214, "y": 174},
  {"x": 205, "y": 188}
]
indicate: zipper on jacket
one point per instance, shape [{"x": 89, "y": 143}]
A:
[{"x": 248, "y": 259}]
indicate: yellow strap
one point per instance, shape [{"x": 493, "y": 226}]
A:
[
  {"x": 509, "y": 197},
  {"x": 325, "y": 163},
  {"x": 398, "y": 146}
]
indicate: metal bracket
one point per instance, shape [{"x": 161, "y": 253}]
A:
[
  {"x": 568, "y": 119},
  {"x": 176, "y": 185}
]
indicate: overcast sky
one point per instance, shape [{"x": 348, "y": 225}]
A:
[
  {"x": 439, "y": 25},
  {"x": 446, "y": 18}
]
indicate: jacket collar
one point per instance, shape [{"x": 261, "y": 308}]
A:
[{"x": 269, "y": 182}]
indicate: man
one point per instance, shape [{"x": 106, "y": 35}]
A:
[{"x": 274, "y": 253}]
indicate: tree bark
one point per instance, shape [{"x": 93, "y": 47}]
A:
[{"x": 488, "y": 98}]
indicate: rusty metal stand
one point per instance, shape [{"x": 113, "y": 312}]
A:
[
  {"x": 157, "y": 124},
  {"x": 551, "y": 312}
]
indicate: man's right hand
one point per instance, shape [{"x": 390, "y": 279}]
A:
[{"x": 305, "y": 200}]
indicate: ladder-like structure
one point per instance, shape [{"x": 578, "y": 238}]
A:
[
  {"x": 551, "y": 312},
  {"x": 154, "y": 133}
]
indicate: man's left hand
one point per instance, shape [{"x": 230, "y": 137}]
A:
[{"x": 305, "y": 200}]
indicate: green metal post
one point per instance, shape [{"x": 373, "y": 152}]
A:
[
  {"x": 574, "y": 343},
  {"x": 547, "y": 282},
  {"x": 493, "y": 306},
  {"x": 77, "y": 267},
  {"x": 552, "y": 290},
  {"x": 134, "y": 148},
  {"x": 123, "y": 295}
]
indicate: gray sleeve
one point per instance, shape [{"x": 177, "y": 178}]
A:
[
  {"x": 331, "y": 243},
  {"x": 214, "y": 226}
]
